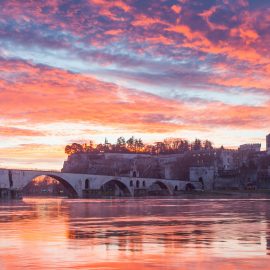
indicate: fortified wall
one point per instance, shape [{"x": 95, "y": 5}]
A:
[
  {"x": 216, "y": 168},
  {"x": 146, "y": 166}
]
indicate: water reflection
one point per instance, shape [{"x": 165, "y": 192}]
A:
[{"x": 135, "y": 234}]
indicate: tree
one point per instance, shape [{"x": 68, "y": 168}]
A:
[
  {"x": 91, "y": 145},
  {"x": 130, "y": 143},
  {"x": 176, "y": 143},
  {"x": 85, "y": 147},
  {"x": 121, "y": 144},
  {"x": 68, "y": 149},
  {"x": 170, "y": 145},
  {"x": 150, "y": 149},
  {"x": 76, "y": 148},
  {"x": 138, "y": 145},
  {"x": 207, "y": 145},
  {"x": 100, "y": 147},
  {"x": 160, "y": 147},
  {"x": 197, "y": 145},
  {"x": 184, "y": 146}
]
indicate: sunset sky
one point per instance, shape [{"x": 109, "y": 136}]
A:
[{"x": 71, "y": 71}]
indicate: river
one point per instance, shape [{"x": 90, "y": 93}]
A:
[{"x": 134, "y": 234}]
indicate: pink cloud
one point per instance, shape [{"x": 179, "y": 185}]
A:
[{"x": 69, "y": 97}]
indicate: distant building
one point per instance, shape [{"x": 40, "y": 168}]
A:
[
  {"x": 268, "y": 144},
  {"x": 227, "y": 160},
  {"x": 202, "y": 158},
  {"x": 248, "y": 153},
  {"x": 254, "y": 147}
]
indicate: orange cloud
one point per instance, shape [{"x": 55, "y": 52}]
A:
[
  {"x": 105, "y": 7},
  {"x": 159, "y": 40},
  {"x": 64, "y": 96},
  {"x": 142, "y": 20},
  {"x": 114, "y": 32},
  {"x": 184, "y": 30},
  {"x": 12, "y": 131},
  {"x": 244, "y": 82},
  {"x": 207, "y": 15},
  {"x": 248, "y": 35},
  {"x": 177, "y": 9}
]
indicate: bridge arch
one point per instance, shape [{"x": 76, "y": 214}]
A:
[
  {"x": 72, "y": 193},
  {"x": 189, "y": 187},
  {"x": 159, "y": 188},
  {"x": 115, "y": 187}
]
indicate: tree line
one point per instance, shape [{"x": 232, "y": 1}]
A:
[{"x": 135, "y": 145}]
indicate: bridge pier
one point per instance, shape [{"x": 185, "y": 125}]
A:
[{"x": 7, "y": 193}]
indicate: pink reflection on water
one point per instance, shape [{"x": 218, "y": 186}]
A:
[{"x": 134, "y": 234}]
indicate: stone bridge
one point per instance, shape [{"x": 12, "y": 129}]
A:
[{"x": 87, "y": 185}]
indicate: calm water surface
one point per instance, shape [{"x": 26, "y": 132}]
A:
[{"x": 135, "y": 234}]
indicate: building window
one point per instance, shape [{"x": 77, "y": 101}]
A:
[
  {"x": 143, "y": 183},
  {"x": 137, "y": 184},
  {"x": 86, "y": 184},
  {"x": 131, "y": 183}
]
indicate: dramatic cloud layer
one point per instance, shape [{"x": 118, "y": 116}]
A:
[{"x": 153, "y": 68}]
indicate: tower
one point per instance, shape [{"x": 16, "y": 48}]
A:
[
  {"x": 134, "y": 171},
  {"x": 268, "y": 144}
]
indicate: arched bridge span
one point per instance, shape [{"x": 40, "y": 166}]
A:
[{"x": 80, "y": 184}]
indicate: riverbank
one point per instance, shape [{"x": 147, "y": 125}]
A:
[
  {"x": 226, "y": 194},
  {"x": 216, "y": 194}
]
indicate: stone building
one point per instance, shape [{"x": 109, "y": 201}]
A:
[{"x": 205, "y": 175}]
